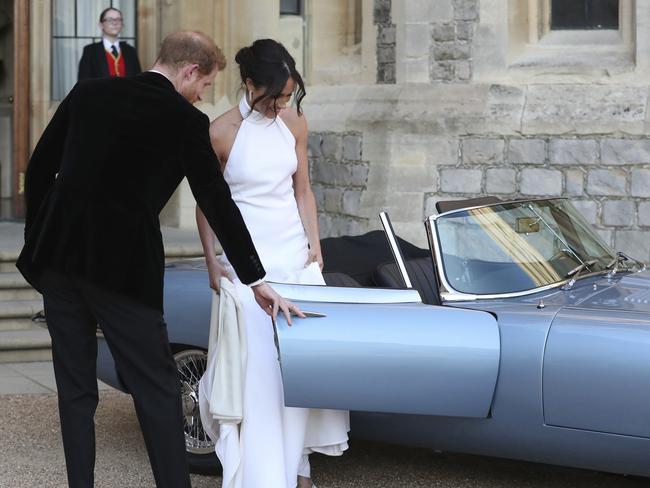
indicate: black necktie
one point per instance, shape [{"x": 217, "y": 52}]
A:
[{"x": 114, "y": 51}]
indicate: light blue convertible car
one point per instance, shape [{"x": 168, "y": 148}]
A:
[{"x": 518, "y": 334}]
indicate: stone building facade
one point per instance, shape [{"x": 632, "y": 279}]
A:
[
  {"x": 414, "y": 101},
  {"x": 488, "y": 100}
]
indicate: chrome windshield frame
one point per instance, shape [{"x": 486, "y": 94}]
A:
[{"x": 447, "y": 292}]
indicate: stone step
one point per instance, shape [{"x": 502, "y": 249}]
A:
[
  {"x": 16, "y": 309},
  {"x": 14, "y": 287},
  {"x": 25, "y": 345},
  {"x": 7, "y": 266},
  {"x": 21, "y": 294},
  {"x": 12, "y": 279},
  {"x": 19, "y": 324}
]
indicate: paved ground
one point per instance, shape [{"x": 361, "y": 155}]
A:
[{"x": 31, "y": 454}]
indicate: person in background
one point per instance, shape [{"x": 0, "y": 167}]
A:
[{"x": 109, "y": 57}]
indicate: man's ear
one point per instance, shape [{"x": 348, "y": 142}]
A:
[{"x": 190, "y": 69}]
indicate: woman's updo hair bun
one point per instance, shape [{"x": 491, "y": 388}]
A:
[{"x": 268, "y": 64}]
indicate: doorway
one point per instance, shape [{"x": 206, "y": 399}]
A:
[{"x": 6, "y": 107}]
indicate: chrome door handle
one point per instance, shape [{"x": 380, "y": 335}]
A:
[{"x": 309, "y": 314}]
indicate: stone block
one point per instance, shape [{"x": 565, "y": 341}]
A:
[
  {"x": 351, "y": 202},
  {"x": 417, "y": 38},
  {"x": 575, "y": 185},
  {"x": 332, "y": 199},
  {"x": 443, "y": 71},
  {"x": 636, "y": 243},
  {"x": 443, "y": 150},
  {"x": 500, "y": 180},
  {"x": 314, "y": 145},
  {"x": 584, "y": 108},
  {"x": 386, "y": 34},
  {"x": 405, "y": 206},
  {"x": 441, "y": 10},
  {"x": 644, "y": 213},
  {"x": 466, "y": 9},
  {"x": 324, "y": 225},
  {"x": 415, "y": 70},
  {"x": 352, "y": 147},
  {"x": 527, "y": 151},
  {"x": 463, "y": 70},
  {"x": 541, "y": 182},
  {"x": 331, "y": 173},
  {"x": 447, "y": 51},
  {"x": 619, "y": 213},
  {"x": 427, "y": 10},
  {"x": 386, "y": 73},
  {"x": 625, "y": 151},
  {"x": 465, "y": 31},
  {"x": 319, "y": 196},
  {"x": 606, "y": 182},
  {"x": 359, "y": 175},
  {"x": 332, "y": 146},
  {"x": 573, "y": 151},
  {"x": 381, "y": 11},
  {"x": 461, "y": 180},
  {"x": 640, "y": 179},
  {"x": 483, "y": 151},
  {"x": 607, "y": 235},
  {"x": 443, "y": 32},
  {"x": 385, "y": 54},
  {"x": 588, "y": 209}
]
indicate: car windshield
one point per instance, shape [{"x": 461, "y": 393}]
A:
[{"x": 518, "y": 246}]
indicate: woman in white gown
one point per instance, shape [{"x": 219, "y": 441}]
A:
[{"x": 262, "y": 147}]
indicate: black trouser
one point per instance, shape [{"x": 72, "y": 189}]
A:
[{"x": 137, "y": 337}]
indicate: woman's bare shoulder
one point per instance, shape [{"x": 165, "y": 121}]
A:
[
  {"x": 296, "y": 122},
  {"x": 226, "y": 122}
]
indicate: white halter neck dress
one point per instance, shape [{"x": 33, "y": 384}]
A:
[{"x": 274, "y": 440}]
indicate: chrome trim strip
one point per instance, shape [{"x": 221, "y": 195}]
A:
[
  {"x": 341, "y": 294},
  {"x": 394, "y": 247},
  {"x": 444, "y": 214}
]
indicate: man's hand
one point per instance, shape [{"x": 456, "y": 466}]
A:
[{"x": 271, "y": 302}]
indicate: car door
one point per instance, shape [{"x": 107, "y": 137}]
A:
[{"x": 382, "y": 350}]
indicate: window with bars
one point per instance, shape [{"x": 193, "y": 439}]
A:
[
  {"x": 584, "y": 14},
  {"x": 75, "y": 23}
]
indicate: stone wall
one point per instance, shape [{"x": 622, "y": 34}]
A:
[
  {"x": 339, "y": 176},
  {"x": 607, "y": 179},
  {"x": 385, "y": 41},
  {"x": 588, "y": 143},
  {"x": 451, "y": 43}
]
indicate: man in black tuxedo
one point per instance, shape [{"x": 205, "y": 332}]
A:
[
  {"x": 109, "y": 57},
  {"x": 113, "y": 154}
]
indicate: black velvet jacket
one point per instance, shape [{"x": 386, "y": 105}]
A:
[
  {"x": 93, "y": 61},
  {"x": 120, "y": 147}
]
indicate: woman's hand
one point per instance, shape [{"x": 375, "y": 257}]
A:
[
  {"x": 315, "y": 256},
  {"x": 215, "y": 272}
]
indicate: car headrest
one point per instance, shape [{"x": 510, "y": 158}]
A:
[
  {"x": 340, "y": 279},
  {"x": 358, "y": 256}
]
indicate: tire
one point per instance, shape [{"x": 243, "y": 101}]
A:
[{"x": 191, "y": 364}]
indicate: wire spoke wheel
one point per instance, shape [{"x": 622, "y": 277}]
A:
[{"x": 191, "y": 364}]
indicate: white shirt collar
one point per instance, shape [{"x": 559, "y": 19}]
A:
[
  {"x": 108, "y": 44},
  {"x": 160, "y": 73}
]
